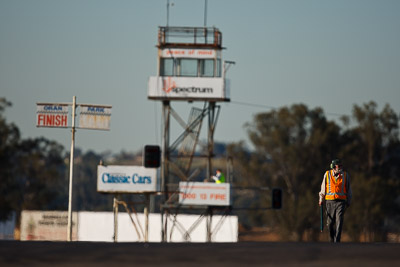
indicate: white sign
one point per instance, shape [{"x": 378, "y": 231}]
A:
[
  {"x": 90, "y": 230},
  {"x": 95, "y": 117},
  {"x": 46, "y": 225},
  {"x": 126, "y": 179},
  {"x": 52, "y": 115},
  {"x": 189, "y": 53},
  {"x": 184, "y": 88},
  {"x": 197, "y": 193}
]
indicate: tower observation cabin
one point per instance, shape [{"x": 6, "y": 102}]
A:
[{"x": 190, "y": 66}]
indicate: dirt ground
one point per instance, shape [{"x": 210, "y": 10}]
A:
[{"x": 35, "y": 253}]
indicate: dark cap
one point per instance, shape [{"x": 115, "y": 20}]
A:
[{"x": 336, "y": 162}]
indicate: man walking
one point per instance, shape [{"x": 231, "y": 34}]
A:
[{"x": 336, "y": 191}]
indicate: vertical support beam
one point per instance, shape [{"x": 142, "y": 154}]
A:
[
  {"x": 229, "y": 170},
  {"x": 146, "y": 215},
  {"x": 71, "y": 171},
  {"x": 210, "y": 137},
  {"x": 115, "y": 209},
  {"x": 209, "y": 224},
  {"x": 165, "y": 165}
]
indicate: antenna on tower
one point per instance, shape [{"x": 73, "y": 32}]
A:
[
  {"x": 168, "y": 5},
  {"x": 205, "y": 13}
]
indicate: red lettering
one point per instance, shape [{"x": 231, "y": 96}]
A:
[
  {"x": 188, "y": 196},
  {"x": 40, "y": 119},
  {"x": 60, "y": 120},
  {"x": 55, "y": 120},
  {"x": 175, "y": 52},
  {"x": 64, "y": 120},
  {"x": 205, "y": 52},
  {"x": 218, "y": 196},
  {"x": 49, "y": 120}
]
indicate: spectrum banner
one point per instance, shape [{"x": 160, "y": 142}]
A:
[
  {"x": 126, "y": 179},
  {"x": 188, "y": 88}
]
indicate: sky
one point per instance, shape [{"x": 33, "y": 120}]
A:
[{"x": 329, "y": 54}]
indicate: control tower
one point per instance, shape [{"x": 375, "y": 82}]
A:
[{"x": 190, "y": 68}]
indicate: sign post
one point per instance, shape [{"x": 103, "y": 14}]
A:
[
  {"x": 55, "y": 115},
  {"x": 71, "y": 169}
]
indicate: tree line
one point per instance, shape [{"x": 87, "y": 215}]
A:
[{"x": 293, "y": 146}]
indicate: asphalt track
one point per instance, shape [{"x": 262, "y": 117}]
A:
[{"x": 16, "y": 253}]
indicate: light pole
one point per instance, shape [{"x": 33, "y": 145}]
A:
[{"x": 71, "y": 169}]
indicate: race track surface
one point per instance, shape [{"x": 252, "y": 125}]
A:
[{"x": 16, "y": 253}]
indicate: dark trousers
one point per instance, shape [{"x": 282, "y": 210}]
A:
[{"x": 335, "y": 213}]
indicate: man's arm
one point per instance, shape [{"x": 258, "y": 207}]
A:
[
  {"x": 323, "y": 189},
  {"x": 215, "y": 178}
]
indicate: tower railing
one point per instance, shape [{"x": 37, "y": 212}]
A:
[{"x": 189, "y": 36}]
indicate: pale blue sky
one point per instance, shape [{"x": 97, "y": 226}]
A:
[{"x": 332, "y": 54}]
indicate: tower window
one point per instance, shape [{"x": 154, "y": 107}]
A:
[
  {"x": 188, "y": 67},
  {"x": 167, "y": 67},
  {"x": 207, "y": 68}
]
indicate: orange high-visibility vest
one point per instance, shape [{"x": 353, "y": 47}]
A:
[{"x": 336, "y": 188}]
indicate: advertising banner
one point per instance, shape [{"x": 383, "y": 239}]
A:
[
  {"x": 189, "y": 53},
  {"x": 95, "y": 117},
  {"x": 46, "y": 225},
  {"x": 188, "y": 88},
  {"x": 197, "y": 193},
  {"x": 52, "y": 115},
  {"x": 126, "y": 179}
]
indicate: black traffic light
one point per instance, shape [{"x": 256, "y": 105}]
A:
[
  {"x": 152, "y": 156},
  {"x": 276, "y": 198}
]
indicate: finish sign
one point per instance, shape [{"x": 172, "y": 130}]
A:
[{"x": 52, "y": 115}]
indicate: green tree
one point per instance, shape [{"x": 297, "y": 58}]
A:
[
  {"x": 293, "y": 147},
  {"x": 371, "y": 152},
  {"x": 85, "y": 193},
  {"x": 31, "y": 170},
  {"x": 249, "y": 171},
  {"x": 9, "y": 139},
  {"x": 40, "y": 175},
  {"x": 296, "y": 144}
]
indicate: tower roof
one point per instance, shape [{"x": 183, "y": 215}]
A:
[{"x": 196, "y": 37}]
